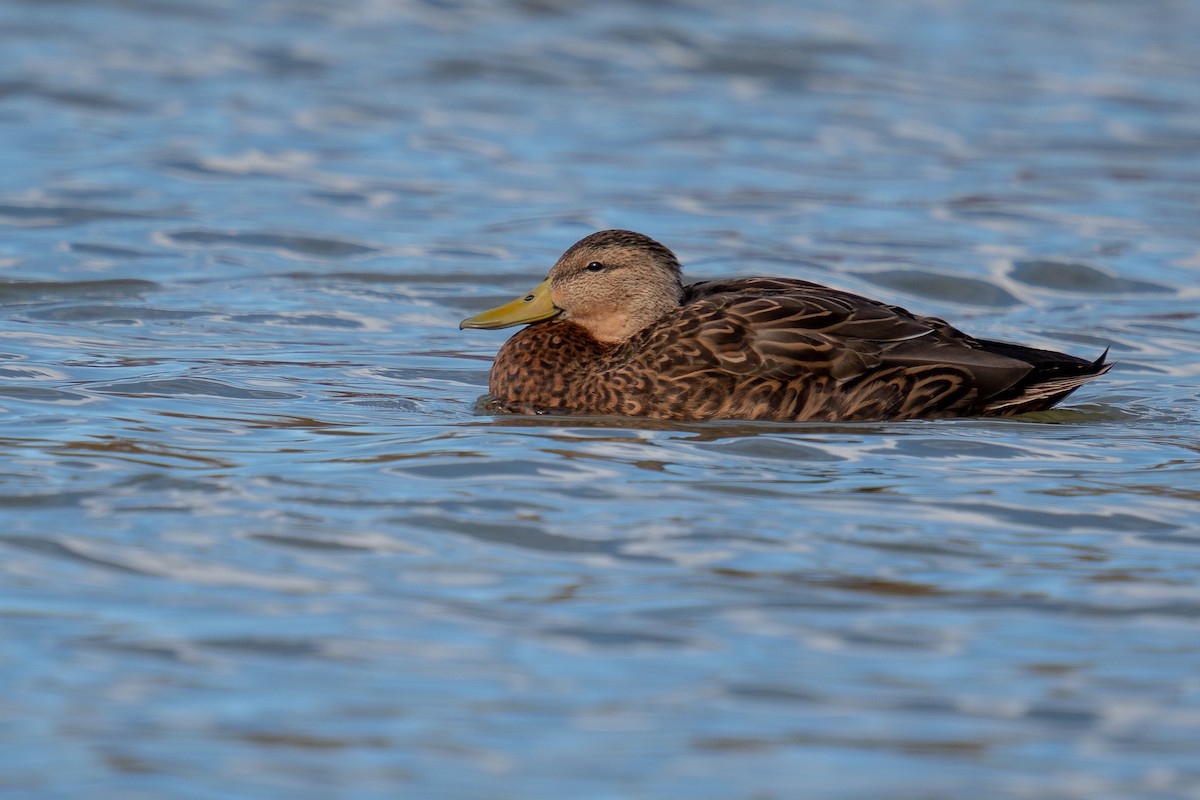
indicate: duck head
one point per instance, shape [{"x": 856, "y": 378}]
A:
[{"x": 612, "y": 283}]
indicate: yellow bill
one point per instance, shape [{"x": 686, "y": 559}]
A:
[{"x": 533, "y": 307}]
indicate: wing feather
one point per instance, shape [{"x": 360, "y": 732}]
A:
[{"x": 780, "y": 329}]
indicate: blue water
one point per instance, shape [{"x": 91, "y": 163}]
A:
[{"x": 258, "y": 540}]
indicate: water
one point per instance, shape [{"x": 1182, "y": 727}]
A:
[{"x": 258, "y": 540}]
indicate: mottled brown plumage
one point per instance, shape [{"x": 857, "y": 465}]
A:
[{"x": 614, "y": 332}]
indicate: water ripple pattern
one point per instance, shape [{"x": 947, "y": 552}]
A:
[{"x": 259, "y": 539}]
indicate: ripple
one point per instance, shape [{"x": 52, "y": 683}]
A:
[
  {"x": 64, "y": 550},
  {"x": 136, "y": 561},
  {"x": 108, "y": 250},
  {"x": 252, "y": 163},
  {"x": 788, "y": 63},
  {"x": 891, "y": 241},
  {"x": 347, "y": 542},
  {"x": 995, "y": 207},
  {"x": 383, "y": 403},
  {"x": 775, "y": 202},
  {"x": 336, "y": 320},
  {"x": 309, "y": 741},
  {"x": 772, "y": 448},
  {"x": 188, "y": 387},
  {"x": 621, "y": 639},
  {"x": 19, "y": 370},
  {"x": 526, "y": 537},
  {"x": 89, "y": 99},
  {"x": 40, "y": 394},
  {"x": 943, "y": 287},
  {"x": 290, "y": 61},
  {"x": 519, "y": 68},
  {"x": 113, "y": 314},
  {"x": 903, "y": 744},
  {"x": 353, "y": 198},
  {"x": 81, "y": 98},
  {"x": 28, "y": 291},
  {"x": 63, "y": 215},
  {"x": 1073, "y": 276},
  {"x": 263, "y": 646},
  {"x": 287, "y": 244}
]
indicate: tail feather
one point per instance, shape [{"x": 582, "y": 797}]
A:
[{"x": 1046, "y": 389}]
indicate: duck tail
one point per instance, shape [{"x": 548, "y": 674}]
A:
[{"x": 1049, "y": 384}]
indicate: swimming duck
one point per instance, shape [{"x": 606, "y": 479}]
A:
[{"x": 613, "y": 330}]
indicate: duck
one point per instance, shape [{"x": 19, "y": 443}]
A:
[{"x": 614, "y": 331}]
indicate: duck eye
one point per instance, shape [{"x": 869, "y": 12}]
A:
[{"x": 595, "y": 266}]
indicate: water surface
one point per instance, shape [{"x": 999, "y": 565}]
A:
[{"x": 259, "y": 540}]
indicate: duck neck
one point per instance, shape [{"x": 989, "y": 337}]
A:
[{"x": 614, "y": 325}]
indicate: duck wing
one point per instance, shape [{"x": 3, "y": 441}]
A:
[{"x": 784, "y": 329}]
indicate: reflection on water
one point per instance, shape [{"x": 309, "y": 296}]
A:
[{"x": 262, "y": 535}]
